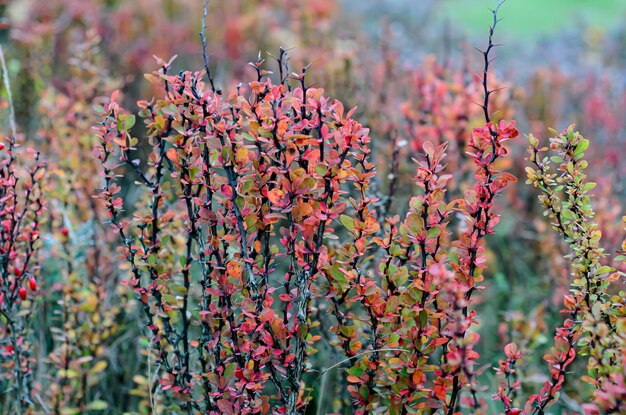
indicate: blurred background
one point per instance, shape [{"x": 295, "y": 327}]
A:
[{"x": 409, "y": 66}]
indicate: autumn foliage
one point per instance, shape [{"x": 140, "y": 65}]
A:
[
  {"x": 257, "y": 186},
  {"x": 21, "y": 207},
  {"x": 240, "y": 242}
]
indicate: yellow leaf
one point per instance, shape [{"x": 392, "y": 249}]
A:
[
  {"x": 98, "y": 367},
  {"x": 242, "y": 155}
]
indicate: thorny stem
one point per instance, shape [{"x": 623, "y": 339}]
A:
[{"x": 456, "y": 386}]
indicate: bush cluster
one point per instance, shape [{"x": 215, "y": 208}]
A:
[{"x": 260, "y": 248}]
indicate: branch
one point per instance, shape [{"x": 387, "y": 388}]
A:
[
  {"x": 487, "y": 60},
  {"x": 7, "y": 86},
  {"x": 204, "y": 53}
]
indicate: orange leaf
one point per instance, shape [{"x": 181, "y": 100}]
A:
[
  {"x": 172, "y": 155},
  {"x": 354, "y": 379},
  {"x": 167, "y": 216}
]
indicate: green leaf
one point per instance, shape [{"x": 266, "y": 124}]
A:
[
  {"x": 230, "y": 371},
  {"x": 434, "y": 232},
  {"x": 423, "y": 318},
  {"x": 582, "y": 146},
  {"x": 170, "y": 110},
  {"x": 338, "y": 277},
  {"x": 321, "y": 170},
  {"x": 415, "y": 222},
  {"x": 127, "y": 122},
  {"x": 347, "y": 221},
  {"x": 355, "y": 371},
  {"x": 97, "y": 405},
  {"x": 589, "y": 186}
]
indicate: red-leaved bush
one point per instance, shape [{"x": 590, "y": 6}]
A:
[
  {"x": 286, "y": 254},
  {"x": 242, "y": 190},
  {"x": 237, "y": 248},
  {"x": 21, "y": 209}
]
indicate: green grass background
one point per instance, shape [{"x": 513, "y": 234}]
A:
[{"x": 535, "y": 18}]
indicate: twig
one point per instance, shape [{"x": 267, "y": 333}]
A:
[
  {"x": 7, "y": 86},
  {"x": 204, "y": 53},
  {"x": 391, "y": 349},
  {"x": 487, "y": 61}
]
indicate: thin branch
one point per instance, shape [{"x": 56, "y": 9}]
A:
[
  {"x": 7, "y": 86},
  {"x": 205, "y": 56},
  {"x": 356, "y": 356},
  {"x": 487, "y": 60}
]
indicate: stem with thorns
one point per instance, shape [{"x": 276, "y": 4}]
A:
[{"x": 456, "y": 384}]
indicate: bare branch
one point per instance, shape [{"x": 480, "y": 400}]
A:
[
  {"x": 205, "y": 56},
  {"x": 487, "y": 60},
  {"x": 7, "y": 86}
]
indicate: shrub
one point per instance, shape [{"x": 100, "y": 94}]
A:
[
  {"x": 245, "y": 197},
  {"x": 283, "y": 260},
  {"x": 240, "y": 190},
  {"x": 21, "y": 209},
  {"x": 596, "y": 319}
]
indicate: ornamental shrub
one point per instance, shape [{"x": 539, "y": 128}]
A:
[
  {"x": 283, "y": 253},
  {"x": 238, "y": 248}
]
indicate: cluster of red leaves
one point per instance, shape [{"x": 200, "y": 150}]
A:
[
  {"x": 409, "y": 105},
  {"x": 426, "y": 104},
  {"x": 402, "y": 292},
  {"x": 21, "y": 209},
  {"x": 129, "y": 28},
  {"x": 507, "y": 389},
  {"x": 244, "y": 197},
  {"x": 241, "y": 191},
  {"x": 134, "y": 32}
]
